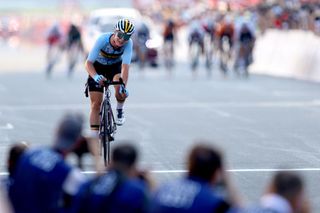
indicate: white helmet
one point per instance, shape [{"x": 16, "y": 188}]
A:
[{"x": 125, "y": 26}]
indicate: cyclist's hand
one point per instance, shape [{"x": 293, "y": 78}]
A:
[
  {"x": 99, "y": 79},
  {"x": 123, "y": 90}
]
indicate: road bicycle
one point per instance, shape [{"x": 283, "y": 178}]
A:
[
  {"x": 243, "y": 59},
  {"x": 225, "y": 54},
  {"x": 168, "y": 55},
  {"x": 208, "y": 50},
  {"x": 195, "y": 49},
  {"x": 108, "y": 125}
]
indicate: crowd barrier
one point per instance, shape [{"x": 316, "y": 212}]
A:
[{"x": 292, "y": 53}]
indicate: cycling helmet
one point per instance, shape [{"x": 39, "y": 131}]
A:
[{"x": 125, "y": 26}]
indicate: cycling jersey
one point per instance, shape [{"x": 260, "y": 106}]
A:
[
  {"x": 74, "y": 35},
  {"x": 54, "y": 35},
  {"x": 187, "y": 195},
  {"x": 246, "y": 37},
  {"x": 106, "y": 54},
  {"x": 226, "y": 30},
  {"x": 168, "y": 33},
  {"x": 41, "y": 178},
  {"x": 112, "y": 193}
]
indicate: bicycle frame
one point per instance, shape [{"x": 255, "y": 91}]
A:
[{"x": 108, "y": 126}]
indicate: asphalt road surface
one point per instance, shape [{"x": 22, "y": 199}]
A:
[{"x": 262, "y": 124}]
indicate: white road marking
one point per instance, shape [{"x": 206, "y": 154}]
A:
[
  {"x": 8, "y": 126},
  {"x": 161, "y": 105},
  {"x": 229, "y": 170},
  {"x": 243, "y": 170}
]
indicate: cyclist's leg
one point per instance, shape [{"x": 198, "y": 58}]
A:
[
  {"x": 51, "y": 52},
  {"x": 96, "y": 95},
  {"x": 120, "y": 97},
  {"x": 115, "y": 74},
  {"x": 120, "y": 119},
  {"x": 94, "y": 119},
  {"x": 95, "y": 103},
  {"x": 72, "y": 57}
]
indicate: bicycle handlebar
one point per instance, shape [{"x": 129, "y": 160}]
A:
[{"x": 109, "y": 82}]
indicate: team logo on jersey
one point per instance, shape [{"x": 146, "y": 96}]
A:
[{"x": 110, "y": 55}]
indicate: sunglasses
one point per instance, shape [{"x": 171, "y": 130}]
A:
[{"x": 123, "y": 36}]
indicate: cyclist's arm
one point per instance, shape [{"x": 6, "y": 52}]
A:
[
  {"x": 90, "y": 68},
  {"x": 126, "y": 60},
  {"x": 93, "y": 55},
  {"x": 125, "y": 73}
]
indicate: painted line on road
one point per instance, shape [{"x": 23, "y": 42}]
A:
[
  {"x": 243, "y": 170},
  {"x": 7, "y": 126},
  {"x": 160, "y": 105},
  {"x": 229, "y": 170}
]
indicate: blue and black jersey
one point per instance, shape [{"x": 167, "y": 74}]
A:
[{"x": 104, "y": 53}]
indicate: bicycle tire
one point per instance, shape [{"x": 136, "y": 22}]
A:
[
  {"x": 109, "y": 133},
  {"x": 105, "y": 143}
]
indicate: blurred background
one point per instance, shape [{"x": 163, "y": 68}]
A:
[
  {"x": 242, "y": 73},
  {"x": 286, "y": 31}
]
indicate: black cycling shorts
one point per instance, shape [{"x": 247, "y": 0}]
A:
[{"x": 108, "y": 71}]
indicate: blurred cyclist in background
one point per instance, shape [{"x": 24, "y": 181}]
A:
[
  {"x": 142, "y": 36},
  {"x": 55, "y": 44},
  {"x": 226, "y": 30},
  {"x": 225, "y": 36},
  {"x": 109, "y": 59},
  {"x": 246, "y": 40},
  {"x": 169, "y": 38},
  {"x": 209, "y": 42},
  {"x": 74, "y": 47},
  {"x": 196, "y": 41}
]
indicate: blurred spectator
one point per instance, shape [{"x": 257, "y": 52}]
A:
[
  {"x": 81, "y": 148},
  {"x": 43, "y": 181},
  {"x": 121, "y": 189},
  {"x": 5, "y": 206},
  {"x": 15, "y": 152},
  {"x": 204, "y": 189},
  {"x": 74, "y": 47},
  {"x": 285, "y": 194}
]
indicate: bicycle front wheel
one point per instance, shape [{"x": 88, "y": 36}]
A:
[{"x": 105, "y": 133}]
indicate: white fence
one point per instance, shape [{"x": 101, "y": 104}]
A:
[{"x": 293, "y": 53}]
